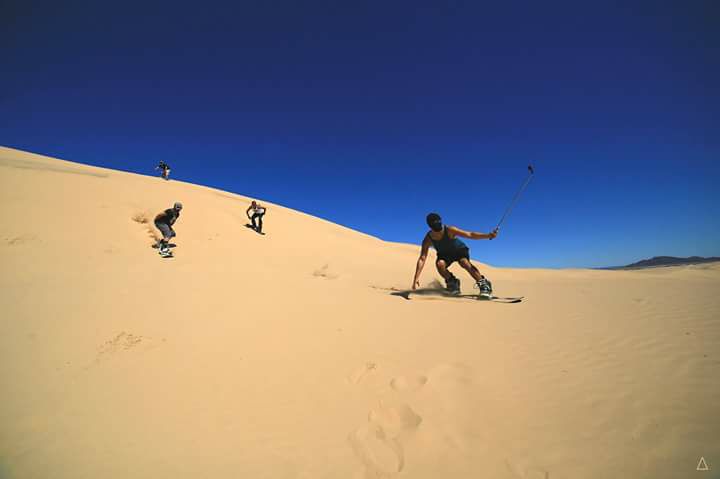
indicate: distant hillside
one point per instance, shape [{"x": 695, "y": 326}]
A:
[{"x": 666, "y": 261}]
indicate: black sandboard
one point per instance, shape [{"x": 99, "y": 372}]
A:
[
  {"x": 169, "y": 245},
  {"x": 441, "y": 293}
]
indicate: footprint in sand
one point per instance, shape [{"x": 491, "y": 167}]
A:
[
  {"x": 380, "y": 455},
  {"x": 451, "y": 374},
  {"x": 361, "y": 373},
  {"x": 408, "y": 383},
  {"x": 324, "y": 273},
  {"x": 394, "y": 418},
  {"x": 519, "y": 470},
  {"x": 378, "y": 444},
  {"x": 122, "y": 342},
  {"x": 19, "y": 240}
]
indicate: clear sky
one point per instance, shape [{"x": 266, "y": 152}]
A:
[{"x": 372, "y": 114}]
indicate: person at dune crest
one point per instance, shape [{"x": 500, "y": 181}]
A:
[
  {"x": 450, "y": 249},
  {"x": 258, "y": 211},
  {"x": 164, "y": 170},
  {"x": 164, "y": 222}
]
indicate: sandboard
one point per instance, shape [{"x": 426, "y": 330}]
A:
[
  {"x": 441, "y": 293},
  {"x": 170, "y": 245}
]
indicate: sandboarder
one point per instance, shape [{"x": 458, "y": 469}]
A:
[
  {"x": 450, "y": 249},
  {"x": 258, "y": 211},
  {"x": 164, "y": 170},
  {"x": 164, "y": 222}
]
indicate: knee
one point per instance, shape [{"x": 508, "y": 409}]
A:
[{"x": 440, "y": 264}]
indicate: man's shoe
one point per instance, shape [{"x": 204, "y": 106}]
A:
[
  {"x": 485, "y": 288},
  {"x": 453, "y": 285}
]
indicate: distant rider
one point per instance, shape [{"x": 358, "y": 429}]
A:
[
  {"x": 258, "y": 211},
  {"x": 164, "y": 170}
]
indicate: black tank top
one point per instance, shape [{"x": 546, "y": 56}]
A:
[{"x": 446, "y": 245}]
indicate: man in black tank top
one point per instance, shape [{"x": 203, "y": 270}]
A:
[{"x": 450, "y": 249}]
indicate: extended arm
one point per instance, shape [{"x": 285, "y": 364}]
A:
[
  {"x": 471, "y": 234},
  {"x": 421, "y": 260}
]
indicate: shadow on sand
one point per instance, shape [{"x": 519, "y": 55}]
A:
[
  {"x": 440, "y": 293},
  {"x": 248, "y": 225},
  {"x": 437, "y": 293}
]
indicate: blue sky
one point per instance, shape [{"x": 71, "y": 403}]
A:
[{"x": 372, "y": 114}]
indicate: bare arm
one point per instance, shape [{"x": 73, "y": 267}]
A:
[
  {"x": 470, "y": 234},
  {"x": 421, "y": 260}
]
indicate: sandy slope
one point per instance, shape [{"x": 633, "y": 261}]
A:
[{"x": 285, "y": 356}]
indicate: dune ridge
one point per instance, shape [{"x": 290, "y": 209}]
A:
[{"x": 286, "y": 356}]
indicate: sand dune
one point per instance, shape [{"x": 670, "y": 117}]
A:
[{"x": 287, "y": 356}]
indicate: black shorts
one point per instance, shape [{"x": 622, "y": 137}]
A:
[
  {"x": 453, "y": 256},
  {"x": 165, "y": 229}
]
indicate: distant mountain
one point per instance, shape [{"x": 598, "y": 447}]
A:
[{"x": 666, "y": 261}]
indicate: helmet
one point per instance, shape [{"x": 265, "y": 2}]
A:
[{"x": 177, "y": 206}]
